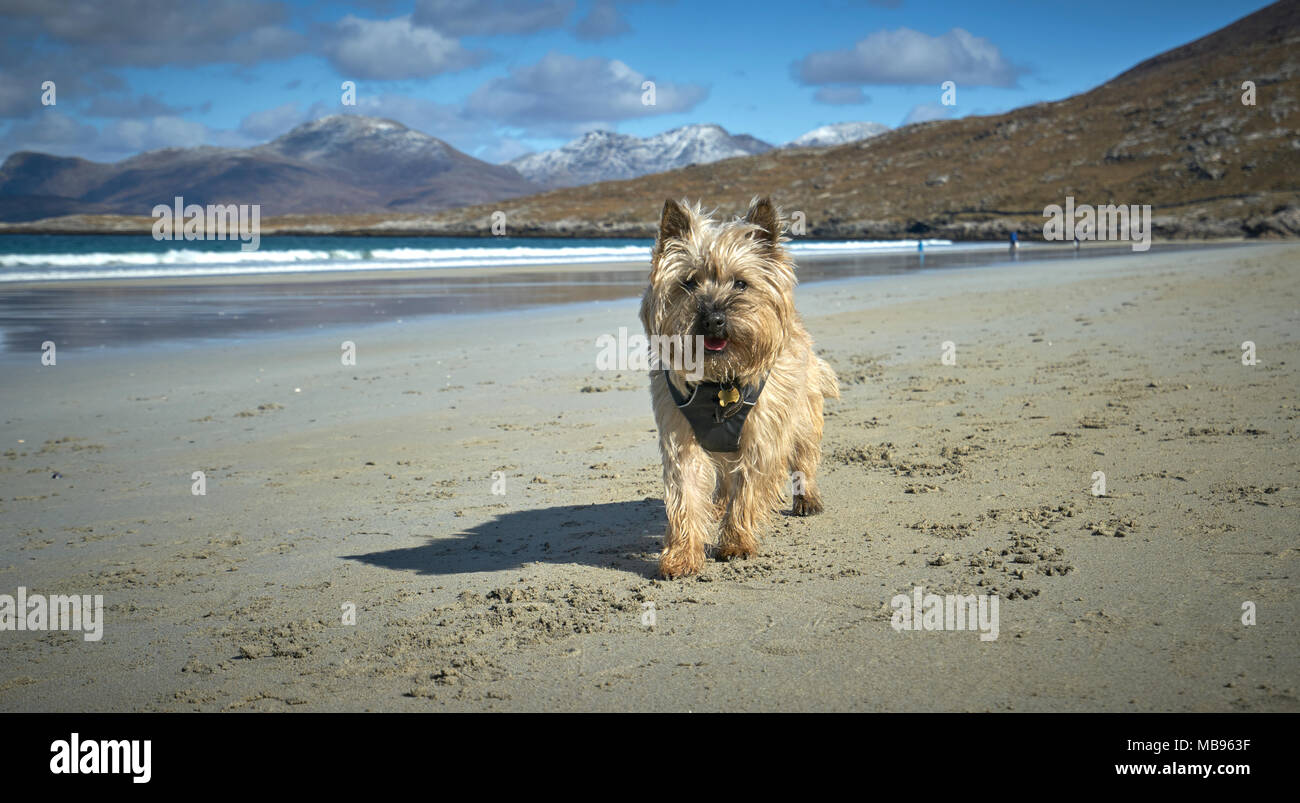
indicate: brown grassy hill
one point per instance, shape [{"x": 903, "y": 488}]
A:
[{"x": 1171, "y": 132}]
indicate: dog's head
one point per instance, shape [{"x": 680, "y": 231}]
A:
[{"x": 731, "y": 284}]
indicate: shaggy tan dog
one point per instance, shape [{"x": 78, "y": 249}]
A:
[{"x": 732, "y": 434}]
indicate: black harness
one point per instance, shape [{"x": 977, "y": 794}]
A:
[{"x": 716, "y": 412}]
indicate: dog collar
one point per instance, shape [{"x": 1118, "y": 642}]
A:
[{"x": 716, "y": 412}]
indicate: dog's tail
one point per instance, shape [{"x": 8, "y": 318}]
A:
[{"x": 826, "y": 381}]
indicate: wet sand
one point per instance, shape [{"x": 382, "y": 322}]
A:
[{"x": 373, "y": 485}]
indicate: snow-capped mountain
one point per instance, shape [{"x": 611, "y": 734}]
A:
[
  {"x": 380, "y": 148},
  {"x": 837, "y": 134},
  {"x": 606, "y": 155}
]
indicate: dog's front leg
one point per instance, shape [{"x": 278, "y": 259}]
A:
[
  {"x": 689, "y": 480},
  {"x": 754, "y": 488}
]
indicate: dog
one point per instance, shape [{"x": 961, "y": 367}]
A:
[{"x": 748, "y": 416}]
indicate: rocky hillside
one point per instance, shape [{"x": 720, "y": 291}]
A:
[{"x": 1171, "y": 132}]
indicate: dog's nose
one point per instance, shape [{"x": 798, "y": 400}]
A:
[{"x": 715, "y": 322}]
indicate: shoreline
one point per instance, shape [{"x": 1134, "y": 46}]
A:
[
  {"x": 150, "y": 311},
  {"x": 1027, "y": 252},
  {"x": 473, "y": 223}
]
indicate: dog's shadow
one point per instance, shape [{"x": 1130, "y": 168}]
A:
[{"x": 615, "y": 535}]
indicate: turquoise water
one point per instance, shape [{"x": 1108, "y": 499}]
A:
[
  {"x": 61, "y": 256},
  {"x": 127, "y": 243},
  {"x": 28, "y": 258}
]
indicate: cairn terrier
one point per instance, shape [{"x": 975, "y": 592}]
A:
[{"x": 732, "y": 434}]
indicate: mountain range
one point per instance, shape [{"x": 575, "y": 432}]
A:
[
  {"x": 346, "y": 164},
  {"x": 337, "y": 164},
  {"x": 608, "y": 156}
]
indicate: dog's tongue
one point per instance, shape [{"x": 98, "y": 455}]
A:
[{"x": 715, "y": 343}]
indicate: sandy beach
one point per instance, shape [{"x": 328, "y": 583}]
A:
[{"x": 489, "y": 504}]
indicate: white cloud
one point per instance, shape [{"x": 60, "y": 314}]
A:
[
  {"x": 841, "y": 96},
  {"x": 562, "y": 95},
  {"x": 130, "y": 106},
  {"x": 603, "y": 21},
  {"x": 16, "y": 96},
  {"x": 268, "y": 124},
  {"x": 147, "y": 33},
  {"x": 910, "y": 57},
  {"x": 492, "y": 17},
  {"x": 394, "y": 49},
  {"x": 48, "y": 131},
  {"x": 133, "y": 136},
  {"x": 502, "y": 151}
]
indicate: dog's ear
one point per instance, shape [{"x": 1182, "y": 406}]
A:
[
  {"x": 674, "y": 223},
  {"x": 764, "y": 215}
]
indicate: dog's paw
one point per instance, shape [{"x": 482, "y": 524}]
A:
[
  {"x": 729, "y": 551},
  {"x": 805, "y": 505},
  {"x": 681, "y": 563}
]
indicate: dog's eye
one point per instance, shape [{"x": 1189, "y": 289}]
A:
[
  {"x": 739, "y": 284},
  {"x": 690, "y": 284}
]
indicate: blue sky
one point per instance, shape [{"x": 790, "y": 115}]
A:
[{"x": 499, "y": 78}]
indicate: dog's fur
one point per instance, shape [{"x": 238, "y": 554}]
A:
[{"x": 694, "y": 268}]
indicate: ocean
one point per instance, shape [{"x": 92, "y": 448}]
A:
[
  {"x": 61, "y": 257},
  {"x": 90, "y": 292}
]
